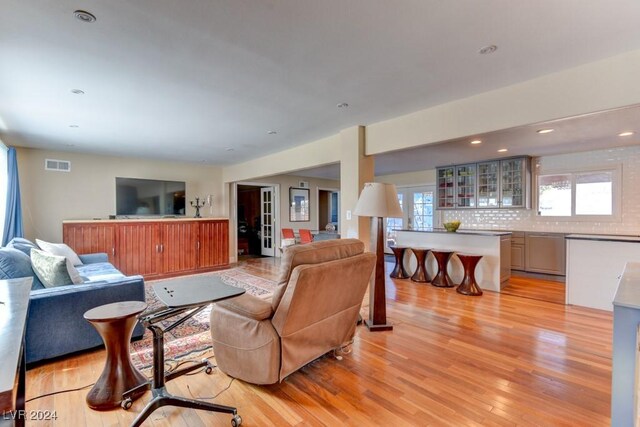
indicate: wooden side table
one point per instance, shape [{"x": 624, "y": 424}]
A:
[
  {"x": 442, "y": 278},
  {"x": 115, "y": 323},
  {"x": 420, "y": 275},
  {"x": 399, "y": 272},
  {"x": 469, "y": 286}
]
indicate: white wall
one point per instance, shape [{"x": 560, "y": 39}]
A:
[
  {"x": 527, "y": 220},
  {"x": 88, "y": 191}
]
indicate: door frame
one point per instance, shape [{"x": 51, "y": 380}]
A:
[
  {"x": 333, "y": 190},
  {"x": 407, "y": 217},
  {"x": 234, "y": 215}
]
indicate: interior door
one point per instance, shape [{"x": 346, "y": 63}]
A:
[
  {"x": 417, "y": 209},
  {"x": 267, "y": 221}
]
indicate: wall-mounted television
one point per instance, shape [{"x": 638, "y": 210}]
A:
[{"x": 148, "y": 197}]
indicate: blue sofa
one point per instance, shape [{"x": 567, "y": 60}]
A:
[{"x": 55, "y": 325}]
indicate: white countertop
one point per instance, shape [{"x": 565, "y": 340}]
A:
[
  {"x": 628, "y": 293},
  {"x": 147, "y": 219},
  {"x": 460, "y": 232},
  {"x": 604, "y": 237}
]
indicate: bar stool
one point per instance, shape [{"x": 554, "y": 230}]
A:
[
  {"x": 442, "y": 279},
  {"x": 399, "y": 271},
  {"x": 420, "y": 275},
  {"x": 469, "y": 286}
]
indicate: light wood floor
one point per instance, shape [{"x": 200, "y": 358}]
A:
[
  {"x": 450, "y": 360},
  {"x": 540, "y": 289}
]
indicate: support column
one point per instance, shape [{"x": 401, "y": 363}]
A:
[{"x": 355, "y": 170}]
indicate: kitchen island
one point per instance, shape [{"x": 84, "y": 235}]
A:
[{"x": 492, "y": 271}]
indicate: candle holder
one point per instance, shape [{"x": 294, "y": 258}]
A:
[{"x": 197, "y": 205}]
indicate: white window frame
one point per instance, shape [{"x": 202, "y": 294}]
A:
[{"x": 616, "y": 187}]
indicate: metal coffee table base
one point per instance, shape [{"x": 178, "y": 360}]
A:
[{"x": 161, "y": 397}]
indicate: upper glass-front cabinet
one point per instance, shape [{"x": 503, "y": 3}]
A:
[
  {"x": 487, "y": 185},
  {"x": 466, "y": 186},
  {"x": 513, "y": 182},
  {"x": 446, "y": 187}
]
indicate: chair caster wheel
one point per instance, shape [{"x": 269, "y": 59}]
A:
[
  {"x": 208, "y": 370},
  {"x": 126, "y": 403},
  {"x": 236, "y": 421}
]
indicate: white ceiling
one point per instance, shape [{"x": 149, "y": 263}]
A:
[{"x": 186, "y": 80}]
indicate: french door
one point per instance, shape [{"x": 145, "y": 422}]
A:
[
  {"x": 417, "y": 211},
  {"x": 268, "y": 221}
]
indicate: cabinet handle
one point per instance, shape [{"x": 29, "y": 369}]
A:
[
  {"x": 113, "y": 251},
  {"x": 158, "y": 248},
  {"x": 162, "y": 248},
  {"x": 198, "y": 244}
]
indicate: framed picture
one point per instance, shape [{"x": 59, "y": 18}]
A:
[{"x": 298, "y": 204}]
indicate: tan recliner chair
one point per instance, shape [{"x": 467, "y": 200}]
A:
[{"x": 313, "y": 310}]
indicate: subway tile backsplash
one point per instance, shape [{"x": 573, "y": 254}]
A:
[{"x": 527, "y": 220}]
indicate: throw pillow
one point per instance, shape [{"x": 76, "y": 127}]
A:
[
  {"x": 60, "y": 249},
  {"x": 23, "y": 245},
  {"x": 15, "y": 264},
  {"x": 54, "y": 270}
]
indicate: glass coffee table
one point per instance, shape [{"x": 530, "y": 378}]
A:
[{"x": 186, "y": 299}]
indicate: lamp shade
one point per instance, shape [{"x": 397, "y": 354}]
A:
[{"x": 378, "y": 200}]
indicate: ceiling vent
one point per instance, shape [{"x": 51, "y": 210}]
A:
[{"x": 57, "y": 165}]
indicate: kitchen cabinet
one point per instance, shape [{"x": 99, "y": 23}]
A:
[
  {"x": 154, "y": 248},
  {"x": 465, "y": 186},
  {"x": 517, "y": 250},
  {"x": 545, "y": 253},
  {"x": 446, "y": 187},
  {"x": 495, "y": 184}
]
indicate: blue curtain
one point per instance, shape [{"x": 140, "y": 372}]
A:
[{"x": 13, "y": 218}]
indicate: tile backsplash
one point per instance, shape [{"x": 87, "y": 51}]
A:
[{"x": 527, "y": 220}]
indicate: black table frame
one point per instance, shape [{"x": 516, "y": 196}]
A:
[{"x": 161, "y": 397}]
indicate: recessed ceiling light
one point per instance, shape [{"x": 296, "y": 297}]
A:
[
  {"x": 84, "y": 16},
  {"x": 627, "y": 133},
  {"x": 272, "y": 132},
  {"x": 502, "y": 150},
  {"x": 74, "y": 126},
  {"x": 541, "y": 131},
  {"x": 476, "y": 142},
  {"x": 488, "y": 49},
  {"x": 77, "y": 91},
  {"x": 230, "y": 149},
  {"x": 342, "y": 105}
]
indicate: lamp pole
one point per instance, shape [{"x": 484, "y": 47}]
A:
[{"x": 377, "y": 299}]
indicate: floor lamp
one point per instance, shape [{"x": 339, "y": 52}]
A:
[{"x": 378, "y": 201}]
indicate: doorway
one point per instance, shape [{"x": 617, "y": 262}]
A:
[
  {"x": 256, "y": 209},
  {"x": 329, "y": 209}
]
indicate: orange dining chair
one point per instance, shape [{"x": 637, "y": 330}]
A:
[
  {"x": 305, "y": 235},
  {"x": 287, "y": 233}
]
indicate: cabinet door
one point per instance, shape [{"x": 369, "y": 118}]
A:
[
  {"x": 179, "y": 246},
  {"x": 545, "y": 253},
  {"x": 517, "y": 257},
  {"x": 465, "y": 186},
  {"x": 213, "y": 243},
  {"x": 488, "y": 185},
  {"x": 138, "y": 250},
  {"x": 446, "y": 188},
  {"x": 91, "y": 238},
  {"x": 513, "y": 183}
]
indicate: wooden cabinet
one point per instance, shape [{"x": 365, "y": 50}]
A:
[
  {"x": 154, "y": 249},
  {"x": 138, "y": 249},
  {"x": 545, "y": 253},
  {"x": 91, "y": 238}
]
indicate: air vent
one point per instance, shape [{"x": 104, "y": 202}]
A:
[
  {"x": 304, "y": 184},
  {"x": 57, "y": 165}
]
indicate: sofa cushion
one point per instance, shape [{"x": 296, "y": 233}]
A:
[
  {"x": 54, "y": 270},
  {"x": 22, "y": 245},
  {"x": 60, "y": 249},
  {"x": 15, "y": 264}
]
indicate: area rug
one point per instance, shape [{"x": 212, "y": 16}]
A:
[{"x": 192, "y": 339}]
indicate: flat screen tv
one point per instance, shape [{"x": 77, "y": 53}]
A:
[{"x": 148, "y": 197}]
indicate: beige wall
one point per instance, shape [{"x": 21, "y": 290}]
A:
[
  {"x": 88, "y": 191},
  {"x": 427, "y": 177}
]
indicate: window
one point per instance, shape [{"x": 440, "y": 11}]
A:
[
  {"x": 3, "y": 186},
  {"x": 584, "y": 195},
  {"x": 394, "y": 223},
  {"x": 423, "y": 210}
]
